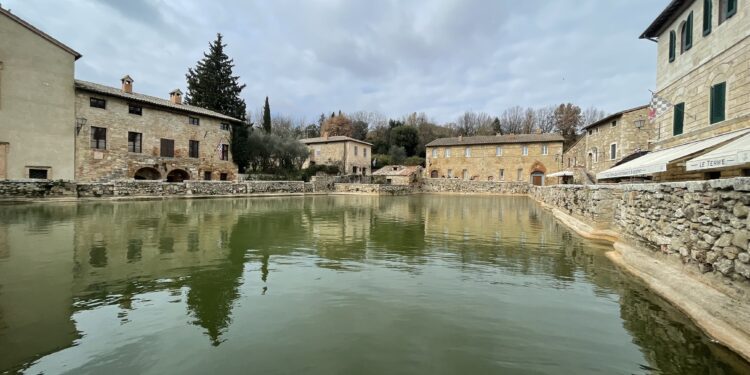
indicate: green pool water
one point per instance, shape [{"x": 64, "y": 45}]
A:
[{"x": 424, "y": 284}]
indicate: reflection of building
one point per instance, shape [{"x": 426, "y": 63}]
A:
[
  {"x": 607, "y": 141},
  {"x": 131, "y": 135},
  {"x": 397, "y": 175},
  {"x": 703, "y": 77},
  {"x": 352, "y": 156},
  {"x": 37, "y": 118},
  {"x": 513, "y": 157}
]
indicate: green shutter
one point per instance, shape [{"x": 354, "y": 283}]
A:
[
  {"x": 718, "y": 102},
  {"x": 689, "y": 32},
  {"x": 679, "y": 119},
  {"x": 707, "y": 13},
  {"x": 731, "y": 8},
  {"x": 672, "y": 45}
]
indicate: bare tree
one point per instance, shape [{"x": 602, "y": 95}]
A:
[
  {"x": 545, "y": 119},
  {"x": 512, "y": 120},
  {"x": 529, "y": 121},
  {"x": 567, "y": 120},
  {"x": 591, "y": 115}
]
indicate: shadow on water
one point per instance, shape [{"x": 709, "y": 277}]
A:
[{"x": 209, "y": 257}]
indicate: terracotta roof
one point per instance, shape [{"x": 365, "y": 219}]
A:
[
  {"x": 401, "y": 170},
  {"x": 111, "y": 91},
  {"x": 41, "y": 33},
  {"x": 497, "y": 139},
  {"x": 332, "y": 139},
  {"x": 614, "y": 116},
  {"x": 669, "y": 14}
]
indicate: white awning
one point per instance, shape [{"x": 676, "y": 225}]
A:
[
  {"x": 560, "y": 174},
  {"x": 656, "y": 162},
  {"x": 733, "y": 153}
]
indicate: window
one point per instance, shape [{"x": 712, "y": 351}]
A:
[
  {"x": 364, "y": 151},
  {"x": 707, "y": 15},
  {"x": 639, "y": 123},
  {"x": 194, "y": 120},
  {"x": 525, "y": 150},
  {"x": 193, "y": 150},
  {"x": 224, "y": 152},
  {"x": 679, "y": 119},
  {"x": 672, "y": 46},
  {"x": 38, "y": 173},
  {"x": 718, "y": 102},
  {"x": 355, "y": 150},
  {"x": 135, "y": 109},
  {"x": 97, "y": 103},
  {"x": 447, "y": 152},
  {"x": 519, "y": 174},
  {"x": 467, "y": 152},
  {"x": 727, "y": 8},
  {"x": 434, "y": 153},
  {"x": 225, "y": 126},
  {"x": 167, "y": 148},
  {"x": 317, "y": 151},
  {"x": 686, "y": 34},
  {"x": 223, "y": 176},
  {"x": 613, "y": 151},
  {"x": 614, "y": 123},
  {"x": 502, "y": 174},
  {"x": 450, "y": 173},
  {"x": 591, "y": 132},
  {"x": 465, "y": 174},
  {"x": 498, "y": 151},
  {"x": 354, "y": 170},
  {"x": 545, "y": 150},
  {"x": 135, "y": 142},
  {"x": 98, "y": 138},
  {"x": 207, "y": 175}
]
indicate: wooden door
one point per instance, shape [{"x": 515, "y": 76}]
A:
[{"x": 536, "y": 179}]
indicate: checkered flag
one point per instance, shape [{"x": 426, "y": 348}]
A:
[{"x": 658, "y": 106}]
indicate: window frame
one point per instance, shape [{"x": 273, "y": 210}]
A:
[
  {"x": 613, "y": 156},
  {"x": 672, "y": 45},
  {"x": 498, "y": 150},
  {"x": 139, "y": 139},
  {"x": 467, "y": 152},
  {"x": 194, "y": 145},
  {"x": 545, "y": 149},
  {"x": 224, "y": 152},
  {"x": 163, "y": 150},
  {"x": 223, "y": 176},
  {"x": 448, "y": 152},
  {"x": 678, "y": 119},
  {"x": 96, "y": 142},
  {"x": 225, "y": 126},
  {"x": 727, "y": 9},
  {"x": 194, "y": 120},
  {"x": 135, "y": 109},
  {"x": 707, "y": 16},
  {"x": 207, "y": 176},
  {"x": 501, "y": 174},
  {"x": 525, "y": 150},
  {"x": 30, "y": 170},
  {"x": 94, "y": 99},
  {"x": 717, "y": 114},
  {"x": 434, "y": 153}
]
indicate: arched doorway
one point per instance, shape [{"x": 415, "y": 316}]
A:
[
  {"x": 537, "y": 178},
  {"x": 434, "y": 174},
  {"x": 177, "y": 175},
  {"x": 147, "y": 173}
]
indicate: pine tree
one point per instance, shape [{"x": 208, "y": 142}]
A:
[
  {"x": 267, "y": 117},
  {"x": 213, "y": 86}
]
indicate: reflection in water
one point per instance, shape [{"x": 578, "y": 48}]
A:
[{"x": 348, "y": 284}]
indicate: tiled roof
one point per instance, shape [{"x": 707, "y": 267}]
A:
[
  {"x": 111, "y": 91},
  {"x": 613, "y": 116},
  {"x": 497, "y": 139},
  {"x": 672, "y": 11},
  {"x": 335, "y": 138},
  {"x": 41, "y": 33},
  {"x": 400, "y": 171}
]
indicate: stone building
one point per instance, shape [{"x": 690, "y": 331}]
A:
[
  {"x": 607, "y": 141},
  {"x": 397, "y": 175},
  {"x": 703, "y": 74},
  {"x": 514, "y": 157},
  {"x": 352, "y": 156},
  {"x": 134, "y": 136},
  {"x": 37, "y": 118}
]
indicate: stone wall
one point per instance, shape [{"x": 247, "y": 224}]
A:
[
  {"x": 36, "y": 189},
  {"x": 375, "y": 189},
  {"x": 704, "y": 223},
  {"x": 443, "y": 185}
]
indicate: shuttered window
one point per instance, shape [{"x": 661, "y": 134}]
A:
[
  {"x": 98, "y": 138},
  {"x": 224, "y": 152},
  {"x": 686, "y": 34},
  {"x": 707, "y": 14},
  {"x": 672, "y": 48},
  {"x": 167, "y": 148},
  {"x": 135, "y": 142},
  {"x": 718, "y": 102},
  {"x": 679, "y": 119},
  {"x": 727, "y": 9},
  {"x": 193, "y": 151}
]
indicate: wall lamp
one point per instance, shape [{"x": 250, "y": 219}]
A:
[{"x": 80, "y": 123}]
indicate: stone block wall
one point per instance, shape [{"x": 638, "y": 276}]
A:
[
  {"x": 15, "y": 189},
  {"x": 703, "y": 223},
  {"x": 440, "y": 185},
  {"x": 375, "y": 189}
]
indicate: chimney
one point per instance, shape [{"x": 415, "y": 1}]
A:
[
  {"x": 127, "y": 84},
  {"x": 325, "y": 136},
  {"x": 175, "y": 96},
  {"x": 460, "y": 138}
]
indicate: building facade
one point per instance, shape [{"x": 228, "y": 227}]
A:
[
  {"x": 606, "y": 142},
  {"x": 516, "y": 157},
  {"x": 37, "y": 101},
  {"x": 126, "y": 135},
  {"x": 703, "y": 72},
  {"x": 352, "y": 156},
  {"x": 397, "y": 175}
]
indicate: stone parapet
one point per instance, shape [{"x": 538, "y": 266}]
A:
[
  {"x": 375, "y": 189},
  {"x": 445, "y": 185}
]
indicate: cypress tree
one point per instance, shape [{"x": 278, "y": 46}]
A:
[
  {"x": 213, "y": 86},
  {"x": 267, "y": 117}
]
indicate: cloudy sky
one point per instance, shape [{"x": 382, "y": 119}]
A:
[{"x": 441, "y": 57}]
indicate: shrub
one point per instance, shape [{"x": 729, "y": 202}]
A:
[{"x": 414, "y": 160}]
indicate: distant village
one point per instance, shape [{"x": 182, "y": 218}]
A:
[{"x": 697, "y": 126}]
